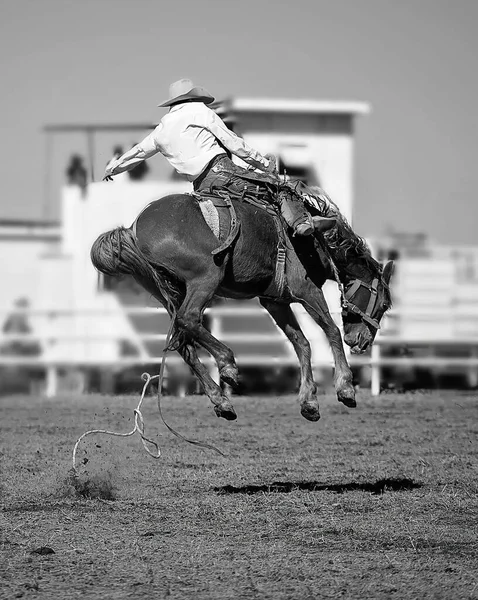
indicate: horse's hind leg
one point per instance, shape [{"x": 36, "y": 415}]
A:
[
  {"x": 189, "y": 318},
  {"x": 285, "y": 319},
  {"x": 222, "y": 406}
]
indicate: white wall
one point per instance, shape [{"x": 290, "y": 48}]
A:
[
  {"x": 20, "y": 260},
  {"x": 106, "y": 206},
  {"x": 329, "y": 155}
]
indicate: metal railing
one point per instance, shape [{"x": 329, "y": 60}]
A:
[{"x": 46, "y": 359}]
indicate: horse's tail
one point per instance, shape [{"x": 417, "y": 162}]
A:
[{"x": 116, "y": 252}]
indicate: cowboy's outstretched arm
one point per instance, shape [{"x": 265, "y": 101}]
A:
[
  {"x": 135, "y": 156},
  {"x": 235, "y": 144}
]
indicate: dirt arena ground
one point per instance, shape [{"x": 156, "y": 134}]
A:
[{"x": 377, "y": 502}]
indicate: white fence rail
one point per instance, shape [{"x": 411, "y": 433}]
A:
[
  {"x": 216, "y": 317},
  {"x": 375, "y": 360}
]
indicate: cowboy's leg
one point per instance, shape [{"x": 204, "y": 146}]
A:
[
  {"x": 295, "y": 213},
  {"x": 285, "y": 319},
  {"x": 226, "y": 174},
  {"x": 210, "y": 181}
]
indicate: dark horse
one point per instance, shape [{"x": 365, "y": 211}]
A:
[{"x": 168, "y": 252}]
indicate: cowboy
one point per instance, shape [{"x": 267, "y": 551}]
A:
[{"x": 198, "y": 144}]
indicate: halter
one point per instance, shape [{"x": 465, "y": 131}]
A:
[{"x": 350, "y": 291}]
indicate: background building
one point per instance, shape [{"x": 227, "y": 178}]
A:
[
  {"x": 80, "y": 322},
  {"x": 312, "y": 140}
]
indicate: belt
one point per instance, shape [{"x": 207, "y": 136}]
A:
[{"x": 199, "y": 179}]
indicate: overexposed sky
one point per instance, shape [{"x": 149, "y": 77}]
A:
[{"x": 414, "y": 61}]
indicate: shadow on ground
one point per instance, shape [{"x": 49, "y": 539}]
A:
[{"x": 285, "y": 487}]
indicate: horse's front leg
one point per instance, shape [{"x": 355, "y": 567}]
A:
[
  {"x": 315, "y": 304},
  {"x": 285, "y": 319}
]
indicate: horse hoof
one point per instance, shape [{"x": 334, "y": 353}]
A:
[
  {"x": 310, "y": 411},
  {"x": 348, "y": 398},
  {"x": 226, "y": 411},
  {"x": 229, "y": 375}
]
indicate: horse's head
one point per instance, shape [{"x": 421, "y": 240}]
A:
[{"x": 367, "y": 299}]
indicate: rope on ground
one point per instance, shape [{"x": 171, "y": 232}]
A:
[
  {"x": 138, "y": 427},
  {"x": 173, "y": 431},
  {"x": 139, "y": 420}
]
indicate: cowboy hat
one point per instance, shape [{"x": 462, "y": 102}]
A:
[{"x": 183, "y": 90}]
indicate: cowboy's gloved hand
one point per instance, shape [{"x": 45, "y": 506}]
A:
[
  {"x": 272, "y": 166},
  {"x": 108, "y": 176}
]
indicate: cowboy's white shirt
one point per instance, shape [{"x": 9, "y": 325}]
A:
[{"x": 188, "y": 137}]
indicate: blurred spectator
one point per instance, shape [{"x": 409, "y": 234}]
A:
[
  {"x": 17, "y": 324},
  {"x": 139, "y": 172},
  {"x": 18, "y": 378},
  {"x": 76, "y": 173}
]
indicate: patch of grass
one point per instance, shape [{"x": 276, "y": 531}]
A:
[{"x": 379, "y": 502}]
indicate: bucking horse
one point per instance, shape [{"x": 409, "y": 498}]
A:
[{"x": 174, "y": 254}]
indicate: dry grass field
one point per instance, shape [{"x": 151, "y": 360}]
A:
[{"x": 377, "y": 502}]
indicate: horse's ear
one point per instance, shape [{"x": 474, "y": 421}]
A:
[
  {"x": 323, "y": 223},
  {"x": 388, "y": 271}
]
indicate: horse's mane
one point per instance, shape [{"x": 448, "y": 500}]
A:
[{"x": 344, "y": 244}]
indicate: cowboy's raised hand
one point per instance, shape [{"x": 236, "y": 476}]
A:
[
  {"x": 110, "y": 168},
  {"x": 108, "y": 176}
]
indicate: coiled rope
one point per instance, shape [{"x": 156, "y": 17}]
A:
[
  {"x": 138, "y": 427},
  {"x": 139, "y": 419}
]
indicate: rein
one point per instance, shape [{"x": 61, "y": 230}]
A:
[{"x": 351, "y": 289}]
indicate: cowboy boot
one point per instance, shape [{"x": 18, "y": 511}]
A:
[
  {"x": 310, "y": 225},
  {"x": 322, "y": 224},
  {"x": 304, "y": 227},
  {"x": 295, "y": 213}
]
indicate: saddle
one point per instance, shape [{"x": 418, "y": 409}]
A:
[
  {"x": 218, "y": 210},
  {"x": 220, "y": 215}
]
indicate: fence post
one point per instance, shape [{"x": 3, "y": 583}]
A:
[
  {"x": 375, "y": 377},
  {"x": 51, "y": 389},
  {"x": 472, "y": 373}
]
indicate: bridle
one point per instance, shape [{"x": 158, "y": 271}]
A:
[
  {"x": 351, "y": 288},
  {"x": 348, "y": 306}
]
